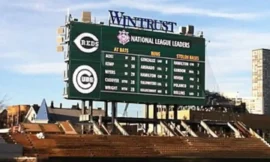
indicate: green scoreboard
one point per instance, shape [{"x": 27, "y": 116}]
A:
[{"x": 106, "y": 63}]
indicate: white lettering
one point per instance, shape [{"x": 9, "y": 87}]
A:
[
  {"x": 163, "y": 42},
  {"x": 87, "y": 79},
  {"x": 180, "y": 44},
  {"x": 109, "y": 56},
  {"x": 112, "y": 80},
  {"x": 148, "y": 90},
  {"x": 143, "y": 59},
  {"x": 124, "y": 89},
  {"x": 111, "y": 87},
  {"x": 179, "y": 70},
  {"x": 159, "y": 68},
  {"x": 178, "y": 77},
  {"x": 148, "y": 75},
  {"x": 179, "y": 85},
  {"x": 159, "y": 61},
  {"x": 180, "y": 63},
  {"x": 142, "y": 39},
  {"x": 89, "y": 43},
  {"x": 148, "y": 83},
  {"x": 109, "y": 63},
  {"x": 159, "y": 76},
  {"x": 124, "y": 81},
  {"x": 110, "y": 72},
  {"x": 147, "y": 67},
  {"x": 179, "y": 92}
]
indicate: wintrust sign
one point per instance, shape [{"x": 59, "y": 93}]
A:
[
  {"x": 87, "y": 42},
  {"x": 118, "y": 18}
]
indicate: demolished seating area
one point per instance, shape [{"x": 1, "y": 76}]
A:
[
  {"x": 61, "y": 140},
  {"x": 140, "y": 146},
  {"x": 58, "y": 128}
]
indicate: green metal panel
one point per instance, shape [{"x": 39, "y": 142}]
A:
[
  {"x": 132, "y": 71},
  {"x": 73, "y": 93}
]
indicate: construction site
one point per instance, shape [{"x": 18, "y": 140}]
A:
[{"x": 106, "y": 63}]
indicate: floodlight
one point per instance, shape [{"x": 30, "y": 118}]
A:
[
  {"x": 190, "y": 30},
  {"x": 183, "y": 30},
  {"x": 59, "y": 48},
  {"x": 60, "y": 31},
  {"x": 60, "y": 40},
  {"x": 86, "y": 17}
]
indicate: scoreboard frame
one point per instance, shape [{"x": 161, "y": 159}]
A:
[{"x": 89, "y": 43}]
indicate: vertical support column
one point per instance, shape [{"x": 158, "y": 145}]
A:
[
  {"x": 175, "y": 112},
  {"x": 83, "y": 112},
  {"x": 167, "y": 111},
  {"x": 155, "y": 118},
  {"x": 83, "y": 107},
  {"x": 91, "y": 107},
  {"x": 114, "y": 111},
  {"x": 147, "y": 117},
  {"x": 106, "y": 112},
  {"x": 90, "y": 128}
]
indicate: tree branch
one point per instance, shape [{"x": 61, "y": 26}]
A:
[{"x": 3, "y": 101}]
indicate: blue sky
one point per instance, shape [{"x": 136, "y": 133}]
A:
[{"x": 31, "y": 69}]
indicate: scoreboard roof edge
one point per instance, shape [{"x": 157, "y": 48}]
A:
[{"x": 142, "y": 30}]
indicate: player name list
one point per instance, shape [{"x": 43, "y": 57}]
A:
[{"x": 130, "y": 73}]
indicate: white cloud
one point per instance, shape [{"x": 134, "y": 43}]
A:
[
  {"x": 236, "y": 84},
  {"x": 161, "y": 6},
  {"x": 40, "y": 68},
  {"x": 10, "y": 55},
  {"x": 173, "y": 8},
  {"x": 230, "y": 51},
  {"x": 229, "y": 55},
  {"x": 40, "y": 6}
]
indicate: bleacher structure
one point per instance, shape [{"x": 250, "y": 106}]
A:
[{"x": 61, "y": 140}]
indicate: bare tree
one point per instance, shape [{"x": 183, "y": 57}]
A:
[{"x": 3, "y": 101}]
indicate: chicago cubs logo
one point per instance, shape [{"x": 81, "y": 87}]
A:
[
  {"x": 85, "y": 79},
  {"x": 87, "y": 42}
]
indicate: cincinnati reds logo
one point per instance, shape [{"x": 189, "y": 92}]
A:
[
  {"x": 87, "y": 42},
  {"x": 85, "y": 79}
]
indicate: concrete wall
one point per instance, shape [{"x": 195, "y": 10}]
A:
[
  {"x": 266, "y": 81},
  {"x": 10, "y": 150}
]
